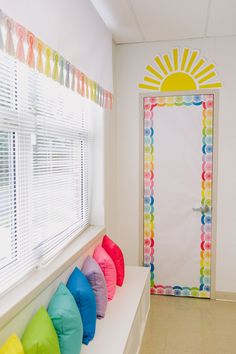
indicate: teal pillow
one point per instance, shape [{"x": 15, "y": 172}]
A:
[
  {"x": 66, "y": 318},
  {"x": 40, "y": 336}
]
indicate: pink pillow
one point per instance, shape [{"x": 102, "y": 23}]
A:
[
  {"x": 108, "y": 268},
  {"x": 116, "y": 255}
]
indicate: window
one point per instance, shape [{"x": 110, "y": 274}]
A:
[{"x": 43, "y": 169}]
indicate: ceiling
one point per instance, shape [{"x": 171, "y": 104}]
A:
[{"x": 133, "y": 21}]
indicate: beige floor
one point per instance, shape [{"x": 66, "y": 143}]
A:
[{"x": 190, "y": 326}]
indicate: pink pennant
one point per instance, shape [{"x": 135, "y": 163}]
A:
[
  {"x": 20, "y": 53},
  {"x": 9, "y": 41},
  {"x": 111, "y": 100},
  {"x": 30, "y": 54}
]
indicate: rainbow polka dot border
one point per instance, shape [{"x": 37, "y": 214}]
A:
[{"x": 206, "y": 101}]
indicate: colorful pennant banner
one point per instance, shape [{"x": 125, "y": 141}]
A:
[{"x": 23, "y": 45}]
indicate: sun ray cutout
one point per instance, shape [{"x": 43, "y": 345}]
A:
[
  {"x": 204, "y": 71},
  {"x": 191, "y": 60},
  {"x": 184, "y": 58},
  {"x": 154, "y": 72},
  {"x": 199, "y": 64},
  {"x": 176, "y": 57},
  {"x": 180, "y": 71}
]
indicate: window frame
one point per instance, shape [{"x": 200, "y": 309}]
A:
[{"x": 82, "y": 139}]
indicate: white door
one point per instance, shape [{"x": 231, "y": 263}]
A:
[{"x": 178, "y": 168}]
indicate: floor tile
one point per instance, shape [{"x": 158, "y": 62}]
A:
[{"x": 190, "y": 326}]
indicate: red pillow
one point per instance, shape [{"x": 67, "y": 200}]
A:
[
  {"x": 108, "y": 268},
  {"x": 116, "y": 255}
]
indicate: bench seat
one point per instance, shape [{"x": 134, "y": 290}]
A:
[{"x": 121, "y": 330}]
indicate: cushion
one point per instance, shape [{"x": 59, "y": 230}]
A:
[
  {"x": 116, "y": 255},
  {"x": 86, "y": 302},
  {"x": 95, "y": 276},
  {"x": 40, "y": 336},
  {"x": 108, "y": 268},
  {"x": 67, "y": 321},
  {"x": 12, "y": 346}
]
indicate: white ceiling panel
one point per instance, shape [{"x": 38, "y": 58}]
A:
[
  {"x": 171, "y": 19},
  {"x": 222, "y": 19},
  {"x": 120, "y": 19},
  {"x": 157, "y": 20}
]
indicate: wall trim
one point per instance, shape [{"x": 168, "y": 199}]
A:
[{"x": 225, "y": 296}]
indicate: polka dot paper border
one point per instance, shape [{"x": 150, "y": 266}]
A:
[{"x": 206, "y": 101}]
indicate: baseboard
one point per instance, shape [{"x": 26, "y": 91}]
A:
[{"x": 225, "y": 296}]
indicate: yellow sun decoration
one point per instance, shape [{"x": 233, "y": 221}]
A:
[{"x": 188, "y": 72}]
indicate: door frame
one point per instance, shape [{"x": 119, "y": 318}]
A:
[{"x": 215, "y": 93}]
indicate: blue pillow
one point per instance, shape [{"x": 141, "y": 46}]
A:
[
  {"x": 67, "y": 321},
  {"x": 86, "y": 302}
]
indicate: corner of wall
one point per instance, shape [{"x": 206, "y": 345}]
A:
[{"x": 111, "y": 160}]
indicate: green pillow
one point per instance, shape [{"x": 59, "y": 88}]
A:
[
  {"x": 66, "y": 318},
  {"x": 40, "y": 336}
]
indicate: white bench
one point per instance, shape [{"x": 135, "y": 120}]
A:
[{"x": 121, "y": 331}]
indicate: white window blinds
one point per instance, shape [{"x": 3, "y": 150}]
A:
[{"x": 43, "y": 171}]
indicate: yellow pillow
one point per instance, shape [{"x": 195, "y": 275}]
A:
[{"x": 12, "y": 346}]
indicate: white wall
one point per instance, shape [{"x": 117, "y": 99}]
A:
[
  {"x": 76, "y": 31},
  {"x": 131, "y": 61},
  {"x": 73, "y": 28},
  {"x": 111, "y": 164}
]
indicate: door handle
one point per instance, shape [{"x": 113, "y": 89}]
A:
[{"x": 203, "y": 209}]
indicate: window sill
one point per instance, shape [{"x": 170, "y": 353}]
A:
[{"x": 17, "y": 298}]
